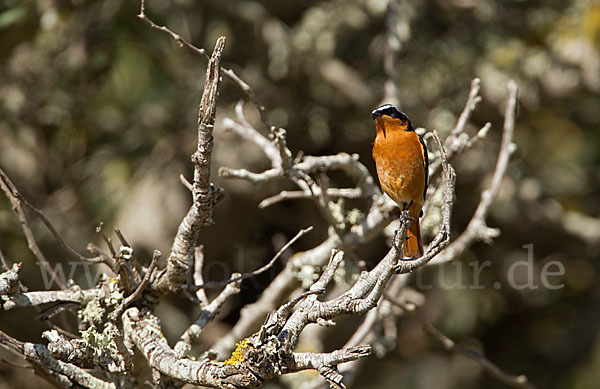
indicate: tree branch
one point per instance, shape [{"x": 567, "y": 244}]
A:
[
  {"x": 520, "y": 381},
  {"x": 205, "y": 195},
  {"x": 477, "y": 228}
]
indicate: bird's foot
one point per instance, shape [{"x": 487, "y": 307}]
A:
[{"x": 405, "y": 218}]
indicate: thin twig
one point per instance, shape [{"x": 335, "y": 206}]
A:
[
  {"x": 205, "y": 195},
  {"x": 5, "y": 266},
  {"x": 208, "y": 313},
  {"x": 107, "y": 240},
  {"x": 137, "y": 293},
  {"x": 182, "y": 42},
  {"x": 121, "y": 237},
  {"x": 258, "y": 271},
  {"x": 458, "y": 140},
  {"x": 17, "y": 204},
  {"x": 229, "y": 73},
  {"x": 186, "y": 183},
  {"x": 348, "y": 193},
  {"x": 472, "y": 101},
  {"x": 477, "y": 228},
  {"x": 520, "y": 381},
  {"x": 197, "y": 276},
  {"x": 59, "y": 239}
]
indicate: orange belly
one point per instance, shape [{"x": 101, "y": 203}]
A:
[{"x": 400, "y": 166}]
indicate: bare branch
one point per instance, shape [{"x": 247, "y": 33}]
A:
[
  {"x": 186, "y": 183},
  {"x": 3, "y": 261},
  {"x": 208, "y": 313},
  {"x": 30, "y": 299},
  {"x": 513, "y": 381},
  {"x": 348, "y": 193},
  {"x": 182, "y": 42},
  {"x": 286, "y": 282},
  {"x": 16, "y": 201},
  {"x": 359, "y": 299},
  {"x": 255, "y": 178},
  {"x": 251, "y": 134},
  {"x": 197, "y": 276},
  {"x": 472, "y": 101},
  {"x": 260, "y": 270},
  {"x": 205, "y": 195},
  {"x": 140, "y": 288},
  {"x": 58, "y": 373},
  {"x": 9, "y": 280},
  {"x": 477, "y": 228},
  {"x": 143, "y": 329},
  {"x": 201, "y": 52},
  {"x": 303, "y": 361},
  {"x": 347, "y": 163},
  {"x": 458, "y": 140}
]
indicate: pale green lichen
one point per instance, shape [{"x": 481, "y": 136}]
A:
[
  {"x": 337, "y": 211},
  {"x": 308, "y": 275},
  {"x": 92, "y": 313},
  {"x": 104, "y": 350},
  {"x": 355, "y": 216}
]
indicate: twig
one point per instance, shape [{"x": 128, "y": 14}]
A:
[
  {"x": 59, "y": 239},
  {"x": 197, "y": 276},
  {"x": 513, "y": 381},
  {"x": 9, "y": 280},
  {"x": 458, "y": 140},
  {"x": 182, "y": 42},
  {"x": 201, "y": 52},
  {"x": 254, "y": 178},
  {"x": 121, "y": 237},
  {"x": 247, "y": 131},
  {"x": 472, "y": 101},
  {"x": 140, "y": 288},
  {"x": 207, "y": 314},
  {"x": 325, "y": 363},
  {"x": 107, "y": 240},
  {"x": 287, "y": 283},
  {"x": 101, "y": 256},
  {"x": 362, "y": 297},
  {"x": 477, "y": 228},
  {"x": 258, "y": 271},
  {"x": 29, "y": 299},
  {"x": 186, "y": 183},
  {"x": 205, "y": 195},
  {"x": 56, "y": 372},
  {"x": 17, "y": 204},
  {"x": 348, "y": 193},
  {"x": 5, "y": 266}
]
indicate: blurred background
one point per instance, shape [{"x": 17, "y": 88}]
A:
[{"x": 98, "y": 116}]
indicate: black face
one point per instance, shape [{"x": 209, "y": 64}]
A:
[{"x": 389, "y": 110}]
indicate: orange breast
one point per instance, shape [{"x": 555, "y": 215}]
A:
[{"x": 400, "y": 165}]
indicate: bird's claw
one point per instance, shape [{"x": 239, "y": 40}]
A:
[{"x": 405, "y": 217}]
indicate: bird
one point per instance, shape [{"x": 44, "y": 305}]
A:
[{"x": 400, "y": 155}]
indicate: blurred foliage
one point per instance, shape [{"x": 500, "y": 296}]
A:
[{"x": 97, "y": 120}]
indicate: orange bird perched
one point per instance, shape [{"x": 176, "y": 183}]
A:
[{"x": 403, "y": 169}]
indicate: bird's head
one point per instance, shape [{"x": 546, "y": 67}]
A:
[{"x": 388, "y": 118}]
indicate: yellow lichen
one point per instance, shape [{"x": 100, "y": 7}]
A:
[{"x": 238, "y": 355}]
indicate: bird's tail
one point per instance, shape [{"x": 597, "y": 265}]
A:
[{"x": 413, "y": 246}]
